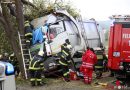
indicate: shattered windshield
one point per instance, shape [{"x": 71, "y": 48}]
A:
[{"x": 91, "y": 30}]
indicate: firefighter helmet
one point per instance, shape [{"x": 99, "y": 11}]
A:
[
  {"x": 40, "y": 53},
  {"x": 6, "y": 54},
  {"x": 12, "y": 54},
  {"x": 92, "y": 50},
  {"x": 1, "y": 56},
  {"x": 69, "y": 47},
  {"x": 67, "y": 41}
]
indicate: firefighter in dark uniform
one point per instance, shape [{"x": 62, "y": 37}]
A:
[
  {"x": 13, "y": 60},
  {"x": 65, "y": 58},
  {"x": 35, "y": 67},
  {"x": 28, "y": 30},
  {"x": 6, "y": 57},
  {"x": 100, "y": 66}
]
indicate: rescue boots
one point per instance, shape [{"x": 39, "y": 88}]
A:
[
  {"x": 66, "y": 79},
  {"x": 33, "y": 83},
  {"x": 39, "y": 83},
  {"x": 86, "y": 82},
  {"x": 98, "y": 74},
  {"x": 111, "y": 75}
]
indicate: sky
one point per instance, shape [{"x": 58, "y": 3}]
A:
[{"x": 101, "y": 9}]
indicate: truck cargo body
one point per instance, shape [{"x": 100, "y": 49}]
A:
[{"x": 92, "y": 33}]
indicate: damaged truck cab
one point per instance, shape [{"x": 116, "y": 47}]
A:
[{"x": 66, "y": 27}]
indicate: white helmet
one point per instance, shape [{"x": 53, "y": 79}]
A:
[
  {"x": 40, "y": 53},
  {"x": 69, "y": 47},
  {"x": 1, "y": 56}
]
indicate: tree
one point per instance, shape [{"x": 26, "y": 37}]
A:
[
  {"x": 12, "y": 20},
  {"x": 10, "y": 27},
  {"x": 4, "y": 44},
  {"x": 42, "y": 6}
]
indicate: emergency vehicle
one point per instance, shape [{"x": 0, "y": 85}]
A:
[
  {"x": 119, "y": 46},
  {"x": 7, "y": 77}
]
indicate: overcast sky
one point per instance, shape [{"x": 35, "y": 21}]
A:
[{"x": 101, "y": 9}]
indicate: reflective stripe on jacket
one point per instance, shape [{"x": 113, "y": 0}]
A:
[
  {"x": 26, "y": 23},
  {"x": 87, "y": 65},
  {"x": 89, "y": 59},
  {"x": 65, "y": 52},
  {"x": 36, "y": 63}
]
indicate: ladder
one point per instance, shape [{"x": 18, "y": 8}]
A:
[
  {"x": 83, "y": 31},
  {"x": 26, "y": 56}
]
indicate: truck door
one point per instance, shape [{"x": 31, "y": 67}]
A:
[
  {"x": 125, "y": 46},
  {"x": 71, "y": 32},
  {"x": 92, "y": 34},
  {"x": 59, "y": 36},
  {"x": 116, "y": 51}
]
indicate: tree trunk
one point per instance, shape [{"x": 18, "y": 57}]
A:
[
  {"x": 11, "y": 34},
  {"x": 19, "y": 16},
  {"x": 10, "y": 30}
]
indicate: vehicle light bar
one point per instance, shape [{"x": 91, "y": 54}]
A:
[{"x": 120, "y": 17}]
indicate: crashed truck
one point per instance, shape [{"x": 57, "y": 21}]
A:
[{"x": 80, "y": 34}]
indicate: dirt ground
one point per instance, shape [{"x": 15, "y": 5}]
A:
[{"x": 59, "y": 84}]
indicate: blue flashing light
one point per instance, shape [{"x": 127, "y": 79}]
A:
[{"x": 9, "y": 69}]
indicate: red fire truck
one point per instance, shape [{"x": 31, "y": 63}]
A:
[{"x": 119, "y": 46}]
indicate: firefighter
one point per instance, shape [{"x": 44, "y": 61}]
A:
[
  {"x": 6, "y": 57},
  {"x": 65, "y": 58},
  {"x": 28, "y": 30},
  {"x": 89, "y": 58},
  {"x": 100, "y": 66},
  {"x": 14, "y": 62},
  {"x": 35, "y": 67}
]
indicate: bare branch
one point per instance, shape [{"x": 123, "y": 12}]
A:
[
  {"x": 12, "y": 9},
  {"x": 29, "y": 3},
  {"x": 20, "y": 16}
]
